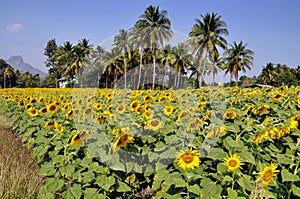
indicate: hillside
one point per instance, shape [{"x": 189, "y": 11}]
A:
[{"x": 18, "y": 63}]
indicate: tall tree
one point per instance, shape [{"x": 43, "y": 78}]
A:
[
  {"x": 79, "y": 56},
  {"x": 238, "y": 57},
  {"x": 206, "y": 35},
  {"x": 8, "y": 73},
  {"x": 64, "y": 58},
  {"x": 121, "y": 42},
  {"x": 155, "y": 27},
  {"x": 98, "y": 55},
  {"x": 217, "y": 64},
  {"x": 54, "y": 69}
]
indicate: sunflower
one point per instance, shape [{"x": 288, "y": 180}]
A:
[
  {"x": 101, "y": 119},
  {"x": 230, "y": 115},
  {"x": 168, "y": 109},
  {"x": 87, "y": 112},
  {"x": 70, "y": 114},
  {"x": 121, "y": 108},
  {"x": 154, "y": 124},
  {"x": 43, "y": 110},
  {"x": 97, "y": 106},
  {"x": 194, "y": 125},
  {"x": 261, "y": 109},
  {"x": 134, "y": 105},
  {"x": 188, "y": 159},
  {"x": 267, "y": 174},
  {"x": 21, "y": 103},
  {"x": 122, "y": 141},
  {"x": 79, "y": 137},
  {"x": 58, "y": 128},
  {"x": 32, "y": 112},
  {"x": 233, "y": 162},
  {"x": 184, "y": 115},
  {"x": 148, "y": 114},
  {"x": 52, "y": 108},
  {"x": 50, "y": 124}
]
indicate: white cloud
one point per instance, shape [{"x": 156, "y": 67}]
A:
[{"x": 15, "y": 27}]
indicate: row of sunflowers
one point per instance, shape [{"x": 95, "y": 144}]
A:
[{"x": 191, "y": 143}]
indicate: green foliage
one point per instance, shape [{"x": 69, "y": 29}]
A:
[{"x": 243, "y": 123}]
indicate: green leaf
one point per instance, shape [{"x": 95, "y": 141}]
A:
[
  {"x": 283, "y": 159},
  {"x": 217, "y": 154},
  {"x": 288, "y": 177},
  {"x": 47, "y": 170},
  {"x": 232, "y": 194},
  {"x": 247, "y": 157},
  {"x": 91, "y": 193},
  {"x": 45, "y": 194},
  {"x": 67, "y": 170},
  {"x": 246, "y": 182},
  {"x": 73, "y": 192},
  {"x": 195, "y": 189},
  {"x": 105, "y": 182},
  {"x": 210, "y": 189},
  {"x": 221, "y": 168},
  {"x": 229, "y": 144},
  {"x": 122, "y": 187},
  {"x": 53, "y": 184},
  {"x": 296, "y": 190}
]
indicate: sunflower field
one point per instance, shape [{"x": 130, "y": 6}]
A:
[{"x": 193, "y": 143}]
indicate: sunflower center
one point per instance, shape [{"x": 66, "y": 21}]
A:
[
  {"x": 134, "y": 105},
  {"x": 154, "y": 123},
  {"x": 123, "y": 140},
  {"x": 120, "y": 108},
  {"x": 188, "y": 158},
  {"x": 268, "y": 175},
  {"x": 52, "y": 107},
  {"x": 232, "y": 163}
]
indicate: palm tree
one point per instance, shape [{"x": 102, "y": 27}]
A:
[
  {"x": 9, "y": 73},
  {"x": 237, "y": 58},
  {"x": 206, "y": 36},
  {"x": 136, "y": 38},
  {"x": 121, "y": 42},
  {"x": 81, "y": 53},
  {"x": 98, "y": 55},
  {"x": 216, "y": 66},
  {"x": 155, "y": 27},
  {"x": 64, "y": 58},
  {"x": 183, "y": 60}
]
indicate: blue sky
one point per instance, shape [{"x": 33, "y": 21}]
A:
[{"x": 270, "y": 27}]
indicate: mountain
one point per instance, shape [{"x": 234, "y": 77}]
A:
[{"x": 18, "y": 63}]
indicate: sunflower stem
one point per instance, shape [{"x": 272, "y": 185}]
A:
[{"x": 233, "y": 181}]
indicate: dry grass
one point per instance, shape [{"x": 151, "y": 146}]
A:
[{"x": 18, "y": 172}]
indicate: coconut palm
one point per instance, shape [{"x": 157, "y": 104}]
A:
[
  {"x": 155, "y": 27},
  {"x": 183, "y": 60},
  {"x": 64, "y": 57},
  {"x": 217, "y": 63},
  {"x": 121, "y": 42},
  {"x": 238, "y": 58},
  {"x": 8, "y": 73},
  {"x": 136, "y": 37},
  {"x": 207, "y": 35},
  {"x": 80, "y": 55},
  {"x": 98, "y": 55}
]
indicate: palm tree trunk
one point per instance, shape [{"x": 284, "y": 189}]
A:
[
  {"x": 236, "y": 78},
  {"x": 140, "y": 69},
  {"x": 154, "y": 66},
  {"x": 125, "y": 71},
  {"x": 4, "y": 80}
]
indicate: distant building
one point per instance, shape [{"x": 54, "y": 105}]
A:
[{"x": 67, "y": 82}]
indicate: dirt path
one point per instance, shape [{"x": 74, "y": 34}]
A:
[{"x": 18, "y": 171}]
